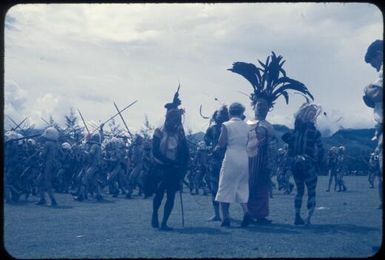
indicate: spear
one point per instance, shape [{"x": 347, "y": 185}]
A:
[
  {"x": 117, "y": 114},
  {"x": 18, "y": 125},
  {"x": 84, "y": 122},
  {"x": 181, "y": 206},
  {"x": 112, "y": 117},
  {"x": 22, "y": 138},
  {"x": 45, "y": 121},
  {"x": 124, "y": 122},
  {"x": 93, "y": 125},
  {"x": 10, "y": 118}
]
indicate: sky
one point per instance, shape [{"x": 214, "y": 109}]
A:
[{"x": 88, "y": 56}]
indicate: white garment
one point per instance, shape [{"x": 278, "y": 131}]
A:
[
  {"x": 234, "y": 176},
  {"x": 378, "y": 105}
]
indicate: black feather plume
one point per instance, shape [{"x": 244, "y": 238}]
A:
[{"x": 270, "y": 80}]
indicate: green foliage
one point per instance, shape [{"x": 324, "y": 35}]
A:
[
  {"x": 147, "y": 129},
  {"x": 71, "y": 119},
  {"x": 115, "y": 129}
]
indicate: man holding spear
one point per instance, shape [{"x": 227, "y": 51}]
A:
[{"x": 171, "y": 155}]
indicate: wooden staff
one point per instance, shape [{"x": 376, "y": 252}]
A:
[
  {"x": 84, "y": 122},
  {"x": 124, "y": 122},
  {"x": 117, "y": 114},
  {"x": 45, "y": 121},
  {"x": 110, "y": 119},
  {"x": 181, "y": 206},
  {"x": 18, "y": 125},
  {"x": 23, "y": 138},
  {"x": 13, "y": 121}
]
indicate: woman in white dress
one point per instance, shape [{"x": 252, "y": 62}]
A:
[{"x": 234, "y": 175}]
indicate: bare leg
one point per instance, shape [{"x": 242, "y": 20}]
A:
[
  {"x": 225, "y": 214},
  {"x": 244, "y": 208},
  {"x": 330, "y": 180},
  {"x": 246, "y": 217}
]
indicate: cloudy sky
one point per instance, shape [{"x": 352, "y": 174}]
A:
[{"x": 87, "y": 56}]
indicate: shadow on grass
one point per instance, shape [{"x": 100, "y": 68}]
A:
[
  {"x": 340, "y": 228},
  {"x": 21, "y": 203},
  {"x": 341, "y": 192},
  {"x": 94, "y": 201},
  {"x": 201, "y": 230},
  {"x": 314, "y": 228},
  {"x": 33, "y": 203},
  {"x": 273, "y": 228},
  {"x": 61, "y": 207}
]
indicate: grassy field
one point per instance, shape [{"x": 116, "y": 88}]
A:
[{"x": 344, "y": 225}]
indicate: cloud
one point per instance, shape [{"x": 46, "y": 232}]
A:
[
  {"x": 15, "y": 97},
  {"x": 87, "y": 56},
  {"x": 44, "y": 107},
  {"x": 10, "y": 23}
]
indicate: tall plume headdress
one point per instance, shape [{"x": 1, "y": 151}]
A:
[
  {"x": 175, "y": 102},
  {"x": 172, "y": 107},
  {"x": 269, "y": 81}
]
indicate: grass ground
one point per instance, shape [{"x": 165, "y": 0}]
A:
[{"x": 344, "y": 225}]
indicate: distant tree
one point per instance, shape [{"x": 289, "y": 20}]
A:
[
  {"x": 192, "y": 138},
  {"x": 53, "y": 123},
  {"x": 115, "y": 128},
  {"x": 73, "y": 131},
  {"x": 147, "y": 130},
  {"x": 71, "y": 119}
]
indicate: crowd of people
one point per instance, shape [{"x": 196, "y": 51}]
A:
[
  {"x": 235, "y": 163},
  {"x": 52, "y": 162}
]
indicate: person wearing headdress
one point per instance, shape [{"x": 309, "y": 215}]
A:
[
  {"x": 78, "y": 177},
  {"x": 134, "y": 178},
  {"x": 332, "y": 161},
  {"x": 114, "y": 156},
  {"x": 64, "y": 173},
  {"x": 341, "y": 168},
  {"x": 283, "y": 171},
  {"x": 200, "y": 160},
  {"x": 215, "y": 156},
  {"x": 30, "y": 173},
  {"x": 89, "y": 177},
  {"x": 94, "y": 155},
  {"x": 12, "y": 166},
  {"x": 373, "y": 98},
  {"x": 233, "y": 184},
  {"x": 148, "y": 162},
  {"x": 306, "y": 153},
  {"x": 261, "y": 150},
  {"x": 171, "y": 154},
  {"x": 269, "y": 82},
  {"x": 374, "y": 169},
  {"x": 48, "y": 155}
]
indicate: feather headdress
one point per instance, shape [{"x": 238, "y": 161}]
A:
[
  {"x": 308, "y": 112},
  {"x": 175, "y": 102},
  {"x": 269, "y": 81}
]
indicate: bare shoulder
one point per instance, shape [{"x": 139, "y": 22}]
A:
[{"x": 269, "y": 127}]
